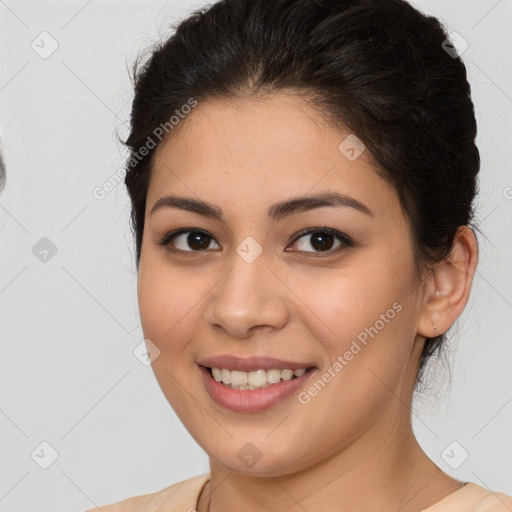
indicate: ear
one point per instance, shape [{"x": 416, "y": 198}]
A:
[{"x": 447, "y": 288}]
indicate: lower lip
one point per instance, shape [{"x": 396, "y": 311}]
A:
[{"x": 251, "y": 400}]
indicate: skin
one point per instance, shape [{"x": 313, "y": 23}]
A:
[{"x": 352, "y": 446}]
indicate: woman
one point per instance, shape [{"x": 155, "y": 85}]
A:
[{"x": 302, "y": 176}]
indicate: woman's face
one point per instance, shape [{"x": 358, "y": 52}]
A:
[{"x": 255, "y": 279}]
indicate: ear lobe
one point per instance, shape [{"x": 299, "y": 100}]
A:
[{"x": 447, "y": 289}]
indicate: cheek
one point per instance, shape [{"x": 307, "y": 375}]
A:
[
  {"x": 367, "y": 323},
  {"x": 369, "y": 354},
  {"x": 347, "y": 301},
  {"x": 166, "y": 305},
  {"x": 168, "y": 317}
]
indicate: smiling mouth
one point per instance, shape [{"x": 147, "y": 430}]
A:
[{"x": 258, "y": 379}]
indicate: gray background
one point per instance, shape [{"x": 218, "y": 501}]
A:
[{"x": 69, "y": 324}]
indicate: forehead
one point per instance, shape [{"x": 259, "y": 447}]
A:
[
  {"x": 250, "y": 151},
  {"x": 278, "y": 126}
]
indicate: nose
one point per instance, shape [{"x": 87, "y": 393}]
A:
[{"x": 248, "y": 299}]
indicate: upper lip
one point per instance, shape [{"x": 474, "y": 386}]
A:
[{"x": 249, "y": 364}]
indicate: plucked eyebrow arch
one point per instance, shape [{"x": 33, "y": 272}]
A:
[{"x": 275, "y": 212}]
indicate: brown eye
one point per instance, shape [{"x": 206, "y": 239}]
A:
[
  {"x": 322, "y": 241},
  {"x": 188, "y": 241}
]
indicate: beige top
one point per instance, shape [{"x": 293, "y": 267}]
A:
[{"x": 183, "y": 496}]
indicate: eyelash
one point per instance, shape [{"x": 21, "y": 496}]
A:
[{"x": 344, "y": 239}]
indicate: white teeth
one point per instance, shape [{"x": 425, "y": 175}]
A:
[
  {"x": 226, "y": 376},
  {"x": 258, "y": 379},
  {"x": 273, "y": 376},
  {"x": 286, "y": 374},
  {"x": 238, "y": 378}
]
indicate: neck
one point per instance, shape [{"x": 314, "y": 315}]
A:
[{"x": 385, "y": 470}]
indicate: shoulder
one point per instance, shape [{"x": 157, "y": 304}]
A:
[
  {"x": 473, "y": 497},
  {"x": 181, "y": 496},
  {"x": 495, "y": 501}
]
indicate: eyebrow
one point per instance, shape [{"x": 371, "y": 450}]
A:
[{"x": 276, "y": 212}]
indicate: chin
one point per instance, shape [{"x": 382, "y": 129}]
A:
[{"x": 253, "y": 462}]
